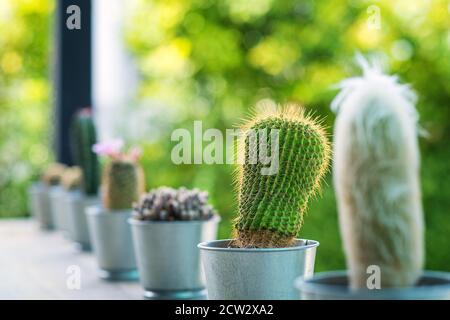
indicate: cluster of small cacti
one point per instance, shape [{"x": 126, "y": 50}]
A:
[
  {"x": 168, "y": 204},
  {"x": 72, "y": 178},
  {"x": 123, "y": 178},
  {"x": 83, "y": 138},
  {"x": 271, "y": 207},
  {"x": 376, "y": 177},
  {"x": 53, "y": 173}
]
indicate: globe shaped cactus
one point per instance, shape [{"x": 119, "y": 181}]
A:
[
  {"x": 272, "y": 204},
  {"x": 53, "y": 173},
  {"x": 376, "y": 178}
]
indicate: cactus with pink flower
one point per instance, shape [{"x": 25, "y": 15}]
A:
[{"x": 123, "y": 178}]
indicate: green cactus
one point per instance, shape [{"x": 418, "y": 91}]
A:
[
  {"x": 122, "y": 184},
  {"x": 83, "y": 138},
  {"x": 271, "y": 207}
]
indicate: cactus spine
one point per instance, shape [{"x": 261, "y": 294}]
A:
[
  {"x": 122, "y": 184},
  {"x": 83, "y": 138},
  {"x": 271, "y": 207},
  {"x": 376, "y": 177}
]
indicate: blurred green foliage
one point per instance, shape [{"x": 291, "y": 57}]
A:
[
  {"x": 216, "y": 60},
  {"x": 25, "y": 31}
]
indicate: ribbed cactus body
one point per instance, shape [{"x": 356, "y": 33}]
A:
[
  {"x": 123, "y": 183},
  {"x": 376, "y": 177},
  {"x": 271, "y": 207},
  {"x": 83, "y": 138},
  {"x": 72, "y": 178}
]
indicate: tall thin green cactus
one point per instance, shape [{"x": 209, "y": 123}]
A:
[
  {"x": 272, "y": 206},
  {"x": 84, "y": 136}
]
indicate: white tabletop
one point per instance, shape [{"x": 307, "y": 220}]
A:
[{"x": 36, "y": 264}]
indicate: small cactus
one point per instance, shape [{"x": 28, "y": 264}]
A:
[
  {"x": 271, "y": 207},
  {"x": 376, "y": 178},
  {"x": 123, "y": 178},
  {"x": 53, "y": 174},
  {"x": 122, "y": 184},
  {"x": 83, "y": 138},
  {"x": 72, "y": 178},
  {"x": 168, "y": 204}
]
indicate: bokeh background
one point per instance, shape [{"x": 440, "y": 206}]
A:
[{"x": 214, "y": 60}]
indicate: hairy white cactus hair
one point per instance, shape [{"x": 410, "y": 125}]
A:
[{"x": 376, "y": 178}]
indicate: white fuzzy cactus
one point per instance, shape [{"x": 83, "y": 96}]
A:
[{"x": 376, "y": 177}]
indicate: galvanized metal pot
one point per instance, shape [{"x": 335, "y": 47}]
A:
[
  {"x": 334, "y": 286},
  {"x": 39, "y": 203},
  {"x": 111, "y": 240},
  {"x": 33, "y": 193},
  {"x": 168, "y": 259},
  {"x": 57, "y": 196},
  {"x": 255, "y": 274},
  {"x": 76, "y": 204}
]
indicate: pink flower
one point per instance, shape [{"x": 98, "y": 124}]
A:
[
  {"x": 85, "y": 112},
  {"x": 111, "y": 148},
  {"x": 135, "y": 153}
]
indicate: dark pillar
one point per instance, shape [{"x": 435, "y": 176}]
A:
[{"x": 72, "y": 80}]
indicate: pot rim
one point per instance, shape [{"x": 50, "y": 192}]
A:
[
  {"x": 311, "y": 285},
  {"x": 209, "y": 245},
  {"x": 55, "y": 187},
  {"x": 80, "y": 190},
  {"x": 75, "y": 192},
  {"x": 97, "y": 210},
  {"x": 57, "y": 193},
  {"x": 135, "y": 222},
  {"x": 36, "y": 186},
  {"x": 77, "y": 195}
]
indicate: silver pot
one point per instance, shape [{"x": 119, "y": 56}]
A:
[
  {"x": 33, "y": 193},
  {"x": 111, "y": 240},
  {"x": 57, "y": 195},
  {"x": 334, "y": 286},
  {"x": 168, "y": 259},
  {"x": 255, "y": 274},
  {"x": 39, "y": 203},
  {"x": 76, "y": 204}
]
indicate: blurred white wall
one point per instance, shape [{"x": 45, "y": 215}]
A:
[{"x": 115, "y": 78}]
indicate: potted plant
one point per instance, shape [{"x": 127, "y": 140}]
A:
[
  {"x": 376, "y": 177},
  {"x": 167, "y": 225},
  {"x": 40, "y": 194},
  {"x": 122, "y": 184},
  {"x": 265, "y": 257},
  {"x": 58, "y": 195},
  {"x": 83, "y": 137},
  {"x": 71, "y": 182}
]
